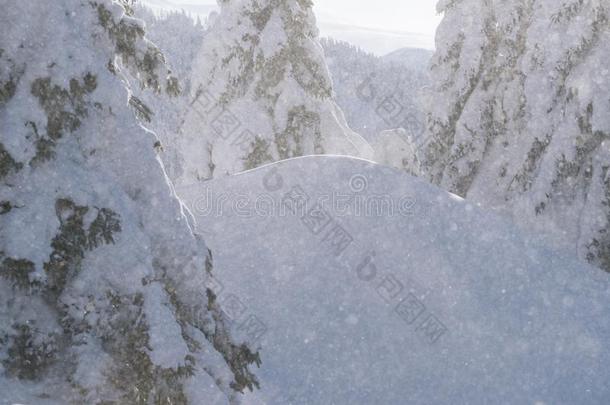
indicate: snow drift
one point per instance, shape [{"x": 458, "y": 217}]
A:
[{"x": 361, "y": 284}]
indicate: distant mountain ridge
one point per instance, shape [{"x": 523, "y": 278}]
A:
[
  {"x": 380, "y": 94},
  {"x": 416, "y": 57},
  {"x": 375, "y": 40}
]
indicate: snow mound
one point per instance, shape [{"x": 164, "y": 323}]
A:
[{"x": 361, "y": 284}]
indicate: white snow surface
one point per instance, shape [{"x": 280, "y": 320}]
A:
[{"x": 440, "y": 302}]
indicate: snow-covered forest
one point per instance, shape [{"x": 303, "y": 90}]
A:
[{"x": 214, "y": 203}]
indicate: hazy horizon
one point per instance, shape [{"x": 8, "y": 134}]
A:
[{"x": 390, "y": 26}]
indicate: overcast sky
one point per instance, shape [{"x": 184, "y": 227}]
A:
[
  {"x": 378, "y": 26},
  {"x": 417, "y": 16}
]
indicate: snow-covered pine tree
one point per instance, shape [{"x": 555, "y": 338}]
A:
[
  {"x": 179, "y": 37},
  {"x": 103, "y": 291},
  {"x": 262, "y": 92},
  {"x": 518, "y": 115},
  {"x": 396, "y": 148}
]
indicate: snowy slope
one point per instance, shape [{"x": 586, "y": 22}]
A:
[
  {"x": 261, "y": 93},
  {"x": 419, "y": 58},
  {"x": 397, "y": 292},
  {"x": 102, "y": 281},
  {"x": 519, "y": 115}
]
